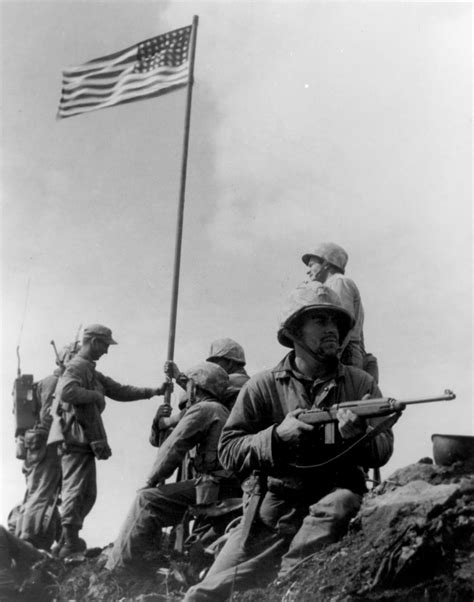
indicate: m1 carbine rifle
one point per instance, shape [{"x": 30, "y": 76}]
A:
[{"x": 367, "y": 408}]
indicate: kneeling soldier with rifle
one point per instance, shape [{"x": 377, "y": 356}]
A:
[
  {"x": 310, "y": 479},
  {"x": 162, "y": 505}
]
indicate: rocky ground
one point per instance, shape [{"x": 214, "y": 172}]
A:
[{"x": 412, "y": 540}]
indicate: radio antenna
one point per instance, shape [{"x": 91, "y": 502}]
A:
[{"x": 18, "y": 371}]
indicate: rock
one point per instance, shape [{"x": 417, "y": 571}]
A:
[{"x": 415, "y": 499}]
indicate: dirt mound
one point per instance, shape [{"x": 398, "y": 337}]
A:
[{"x": 413, "y": 539}]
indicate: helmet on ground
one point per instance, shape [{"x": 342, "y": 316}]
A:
[
  {"x": 210, "y": 377},
  {"x": 227, "y": 348},
  {"x": 330, "y": 252},
  {"x": 311, "y": 296}
]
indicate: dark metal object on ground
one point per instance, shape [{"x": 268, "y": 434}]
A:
[{"x": 448, "y": 449}]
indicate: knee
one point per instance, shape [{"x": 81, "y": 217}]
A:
[
  {"x": 340, "y": 504},
  {"x": 146, "y": 497}
]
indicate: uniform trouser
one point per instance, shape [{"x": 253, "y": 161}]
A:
[
  {"x": 237, "y": 569},
  {"x": 79, "y": 488},
  {"x": 14, "y": 550},
  {"x": 43, "y": 480},
  {"x": 153, "y": 509}
]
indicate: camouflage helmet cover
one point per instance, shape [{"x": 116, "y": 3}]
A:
[
  {"x": 310, "y": 296},
  {"x": 210, "y": 377},
  {"x": 332, "y": 253},
  {"x": 227, "y": 348}
]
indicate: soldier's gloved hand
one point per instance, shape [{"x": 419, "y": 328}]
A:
[
  {"x": 171, "y": 369},
  {"x": 291, "y": 430},
  {"x": 350, "y": 425},
  {"x": 161, "y": 390},
  {"x": 163, "y": 411}
]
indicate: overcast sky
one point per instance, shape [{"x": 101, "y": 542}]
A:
[{"x": 344, "y": 122}]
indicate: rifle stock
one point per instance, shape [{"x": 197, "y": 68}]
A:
[{"x": 368, "y": 408}]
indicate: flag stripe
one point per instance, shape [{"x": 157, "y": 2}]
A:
[
  {"x": 126, "y": 86},
  {"x": 84, "y": 108},
  {"x": 128, "y": 75},
  {"x": 150, "y": 68}
]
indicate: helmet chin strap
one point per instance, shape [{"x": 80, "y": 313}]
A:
[{"x": 308, "y": 350}]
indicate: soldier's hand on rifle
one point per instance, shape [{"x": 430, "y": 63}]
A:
[
  {"x": 350, "y": 425},
  {"x": 171, "y": 369},
  {"x": 291, "y": 429},
  {"x": 161, "y": 390}
]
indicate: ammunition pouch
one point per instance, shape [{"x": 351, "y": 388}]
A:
[
  {"x": 35, "y": 445},
  {"x": 35, "y": 439}
]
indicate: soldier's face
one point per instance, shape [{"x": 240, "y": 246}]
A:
[
  {"x": 99, "y": 348},
  {"x": 316, "y": 270},
  {"x": 320, "y": 332},
  {"x": 223, "y": 362}
]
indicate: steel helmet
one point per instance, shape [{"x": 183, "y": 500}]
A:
[
  {"x": 330, "y": 252},
  {"x": 310, "y": 296},
  {"x": 210, "y": 377},
  {"x": 227, "y": 348}
]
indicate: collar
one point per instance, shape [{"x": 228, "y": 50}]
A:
[
  {"x": 286, "y": 368},
  {"x": 80, "y": 358}
]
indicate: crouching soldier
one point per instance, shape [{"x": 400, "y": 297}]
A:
[
  {"x": 162, "y": 505},
  {"x": 311, "y": 479},
  {"x": 17, "y": 557}
]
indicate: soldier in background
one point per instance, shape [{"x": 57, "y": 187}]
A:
[
  {"x": 226, "y": 353},
  {"x": 327, "y": 264},
  {"x": 81, "y": 393},
  {"x": 38, "y": 517},
  {"x": 17, "y": 558}
]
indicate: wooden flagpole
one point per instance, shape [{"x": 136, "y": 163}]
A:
[{"x": 179, "y": 221}]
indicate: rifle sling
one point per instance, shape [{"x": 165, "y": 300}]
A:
[{"x": 388, "y": 422}]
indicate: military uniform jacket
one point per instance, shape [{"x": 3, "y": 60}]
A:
[
  {"x": 199, "y": 428},
  {"x": 45, "y": 390},
  {"x": 81, "y": 391},
  {"x": 249, "y": 441}
]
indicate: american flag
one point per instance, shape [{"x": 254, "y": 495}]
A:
[{"x": 148, "y": 69}]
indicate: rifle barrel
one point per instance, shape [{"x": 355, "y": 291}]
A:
[{"x": 448, "y": 396}]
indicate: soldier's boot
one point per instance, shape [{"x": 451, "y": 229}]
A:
[{"x": 72, "y": 543}]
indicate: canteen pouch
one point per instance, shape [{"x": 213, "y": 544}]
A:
[{"x": 35, "y": 444}]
